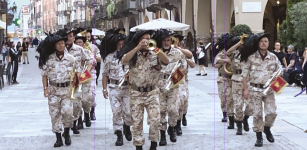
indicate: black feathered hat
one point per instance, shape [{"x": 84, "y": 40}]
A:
[
  {"x": 80, "y": 34},
  {"x": 120, "y": 34},
  {"x": 90, "y": 31},
  {"x": 249, "y": 47},
  {"x": 160, "y": 35},
  {"x": 48, "y": 47},
  {"x": 107, "y": 44},
  {"x": 137, "y": 35},
  {"x": 222, "y": 42},
  {"x": 64, "y": 32},
  {"x": 180, "y": 37}
]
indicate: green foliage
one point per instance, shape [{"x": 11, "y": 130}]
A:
[
  {"x": 94, "y": 23},
  {"x": 240, "y": 29},
  {"x": 298, "y": 14},
  {"x": 111, "y": 10},
  {"x": 283, "y": 33}
]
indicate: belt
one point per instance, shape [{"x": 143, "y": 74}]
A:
[
  {"x": 116, "y": 82},
  {"x": 142, "y": 89},
  {"x": 164, "y": 76},
  {"x": 238, "y": 71},
  {"x": 226, "y": 76},
  {"x": 257, "y": 85},
  {"x": 65, "y": 84}
]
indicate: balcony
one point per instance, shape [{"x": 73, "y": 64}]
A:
[
  {"x": 38, "y": 27},
  {"x": 156, "y": 5},
  {"x": 127, "y": 7},
  {"x": 3, "y": 7},
  {"x": 59, "y": 13},
  {"x": 9, "y": 16},
  {"x": 67, "y": 12},
  {"x": 60, "y": 26},
  {"x": 38, "y": 15}
]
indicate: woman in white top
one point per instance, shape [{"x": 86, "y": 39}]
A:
[{"x": 4, "y": 50}]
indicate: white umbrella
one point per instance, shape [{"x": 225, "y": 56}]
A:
[
  {"x": 2, "y": 25},
  {"x": 161, "y": 23},
  {"x": 97, "y": 32}
]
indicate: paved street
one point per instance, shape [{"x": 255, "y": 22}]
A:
[{"x": 25, "y": 121}]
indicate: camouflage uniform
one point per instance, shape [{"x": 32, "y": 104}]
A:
[
  {"x": 119, "y": 96},
  {"x": 184, "y": 94},
  {"x": 60, "y": 105},
  {"x": 237, "y": 88},
  {"x": 145, "y": 73},
  {"x": 79, "y": 54},
  {"x": 96, "y": 50},
  {"x": 170, "y": 100},
  {"x": 259, "y": 71},
  {"x": 224, "y": 86},
  {"x": 88, "y": 88}
]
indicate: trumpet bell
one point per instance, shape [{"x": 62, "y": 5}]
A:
[
  {"x": 151, "y": 45},
  {"x": 227, "y": 69}
]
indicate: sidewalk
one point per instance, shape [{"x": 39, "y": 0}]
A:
[{"x": 26, "y": 122}]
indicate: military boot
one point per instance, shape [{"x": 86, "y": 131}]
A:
[
  {"x": 119, "y": 141},
  {"x": 59, "y": 141},
  {"x": 178, "y": 128},
  {"x": 139, "y": 147},
  {"x": 224, "y": 117},
  {"x": 153, "y": 146},
  {"x": 87, "y": 119},
  {"x": 268, "y": 134},
  {"x": 92, "y": 114},
  {"x": 80, "y": 123},
  {"x": 184, "y": 120},
  {"x": 66, "y": 136},
  {"x": 239, "y": 126},
  {"x": 259, "y": 142},
  {"x": 127, "y": 132},
  {"x": 172, "y": 134},
  {"x": 163, "y": 139},
  {"x": 231, "y": 122},
  {"x": 245, "y": 123},
  {"x": 74, "y": 129}
]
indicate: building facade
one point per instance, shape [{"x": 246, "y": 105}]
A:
[{"x": 24, "y": 16}]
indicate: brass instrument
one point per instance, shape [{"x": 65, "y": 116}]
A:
[
  {"x": 227, "y": 69},
  {"x": 174, "y": 41},
  {"x": 168, "y": 80},
  {"x": 71, "y": 86},
  {"x": 242, "y": 37},
  {"x": 151, "y": 45},
  {"x": 269, "y": 82},
  {"x": 122, "y": 80}
]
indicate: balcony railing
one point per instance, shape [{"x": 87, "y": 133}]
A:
[
  {"x": 67, "y": 12},
  {"x": 38, "y": 26}
]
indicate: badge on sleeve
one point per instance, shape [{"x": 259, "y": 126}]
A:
[{"x": 253, "y": 67}]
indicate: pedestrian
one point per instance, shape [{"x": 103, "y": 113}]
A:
[
  {"x": 144, "y": 71},
  {"x": 8, "y": 45},
  {"x": 169, "y": 99},
  {"x": 25, "y": 47},
  {"x": 4, "y": 50},
  {"x": 80, "y": 55},
  {"x": 202, "y": 60},
  {"x": 35, "y": 42},
  {"x": 58, "y": 68},
  {"x": 14, "y": 59},
  {"x": 259, "y": 66},
  {"x": 280, "y": 55},
  {"x": 19, "y": 48},
  {"x": 292, "y": 62},
  {"x": 224, "y": 82},
  {"x": 119, "y": 95},
  {"x": 183, "y": 88},
  {"x": 97, "y": 67}
]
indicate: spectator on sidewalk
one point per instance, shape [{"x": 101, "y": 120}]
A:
[
  {"x": 291, "y": 67},
  {"x": 19, "y": 49},
  {"x": 202, "y": 60},
  {"x": 8, "y": 44},
  {"x": 4, "y": 50},
  {"x": 25, "y": 47},
  {"x": 14, "y": 58},
  {"x": 35, "y": 42},
  {"x": 280, "y": 55}
]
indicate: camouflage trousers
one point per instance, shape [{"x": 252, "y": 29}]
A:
[
  {"x": 239, "y": 101},
  {"x": 88, "y": 95},
  {"x": 169, "y": 105},
  {"x": 256, "y": 98},
  {"x": 184, "y": 99},
  {"x": 60, "y": 110},
  {"x": 77, "y": 106},
  {"x": 119, "y": 100},
  {"x": 225, "y": 94},
  {"x": 150, "y": 101}
]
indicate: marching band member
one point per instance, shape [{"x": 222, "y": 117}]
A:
[
  {"x": 169, "y": 99},
  {"x": 58, "y": 67},
  {"x": 237, "y": 88},
  {"x": 224, "y": 80},
  {"x": 259, "y": 66},
  {"x": 119, "y": 95},
  {"x": 78, "y": 53},
  {"x": 183, "y": 88},
  {"x": 96, "y": 51},
  {"x": 144, "y": 71}
]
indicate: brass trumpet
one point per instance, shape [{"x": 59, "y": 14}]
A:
[
  {"x": 227, "y": 69},
  {"x": 174, "y": 41},
  {"x": 72, "y": 87},
  {"x": 151, "y": 45}
]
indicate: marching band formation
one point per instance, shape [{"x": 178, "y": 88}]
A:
[{"x": 148, "y": 70}]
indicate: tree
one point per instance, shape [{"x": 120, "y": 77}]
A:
[
  {"x": 283, "y": 33},
  {"x": 298, "y": 13},
  {"x": 240, "y": 29}
]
